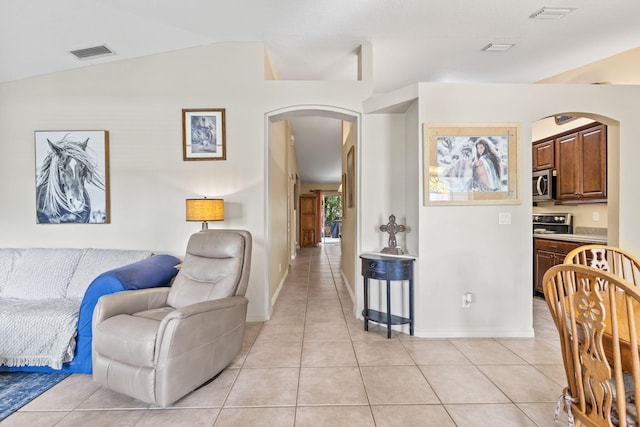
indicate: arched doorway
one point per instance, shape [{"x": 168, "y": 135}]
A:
[
  {"x": 283, "y": 187},
  {"x": 548, "y": 126}
]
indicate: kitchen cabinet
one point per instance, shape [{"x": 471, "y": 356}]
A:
[
  {"x": 546, "y": 254},
  {"x": 544, "y": 155},
  {"x": 581, "y": 162}
]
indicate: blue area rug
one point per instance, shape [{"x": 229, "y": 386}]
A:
[{"x": 19, "y": 388}]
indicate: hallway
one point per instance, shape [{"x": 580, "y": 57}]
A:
[{"x": 312, "y": 364}]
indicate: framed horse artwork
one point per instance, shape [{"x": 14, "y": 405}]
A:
[{"x": 72, "y": 177}]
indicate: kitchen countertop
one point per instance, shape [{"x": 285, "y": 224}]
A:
[{"x": 586, "y": 238}]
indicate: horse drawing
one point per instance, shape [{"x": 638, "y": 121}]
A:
[{"x": 61, "y": 196}]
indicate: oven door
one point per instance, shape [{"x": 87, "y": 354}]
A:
[{"x": 542, "y": 185}]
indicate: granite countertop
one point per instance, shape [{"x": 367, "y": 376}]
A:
[{"x": 582, "y": 238}]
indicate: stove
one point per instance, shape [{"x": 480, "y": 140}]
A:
[{"x": 553, "y": 223}]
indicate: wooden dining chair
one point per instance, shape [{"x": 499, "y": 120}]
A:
[
  {"x": 608, "y": 258},
  {"x": 597, "y": 315}
]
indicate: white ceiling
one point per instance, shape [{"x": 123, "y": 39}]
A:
[{"x": 412, "y": 40}]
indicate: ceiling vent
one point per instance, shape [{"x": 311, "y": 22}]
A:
[
  {"x": 497, "y": 47},
  {"x": 552, "y": 13},
  {"x": 92, "y": 52}
]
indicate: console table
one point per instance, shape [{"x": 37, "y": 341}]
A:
[{"x": 388, "y": 268}]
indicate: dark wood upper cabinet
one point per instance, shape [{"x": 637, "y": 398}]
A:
[
  {"x": 544, "y": 155},
  {"x": 581, "y": 162},
  {"x": 594, "y": 162}
]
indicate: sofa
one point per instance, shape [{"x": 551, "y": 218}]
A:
[{"x": 48, "y": 295}]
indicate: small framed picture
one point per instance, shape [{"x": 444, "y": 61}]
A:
[
  {"x": 351, "y": 178},
  {"x": 203, "y": 134}
]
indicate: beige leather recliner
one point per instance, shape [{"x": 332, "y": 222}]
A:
[{"x": 159, "y": 344}]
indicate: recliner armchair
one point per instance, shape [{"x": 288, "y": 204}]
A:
[{"x": 157, "y": 345}]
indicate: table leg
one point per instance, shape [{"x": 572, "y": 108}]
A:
[
  {"x": 388, "y": 308},
  {"x": 411, "y": 307},
  {"x": 365, "y": 313}
]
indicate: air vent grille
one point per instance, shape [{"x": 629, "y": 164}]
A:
[
  {"x": 552, "y": 13},
  {"x": 497, "y": 47},
  {"x": 92, "y": 52}
]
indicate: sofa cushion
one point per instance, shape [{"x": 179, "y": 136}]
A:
[
  {"x": 8, "y": 258},
  {"x": 95, "y": 262},
  {"x": 42, "y": 273},
  {"x": 127, "y": 339}
]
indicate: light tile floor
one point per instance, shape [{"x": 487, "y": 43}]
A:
[{"x": 312, "y": 364}]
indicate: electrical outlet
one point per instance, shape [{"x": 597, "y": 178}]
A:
[
  {"x": 596, "y": 216},
  {"x": 466, "y": 300}
]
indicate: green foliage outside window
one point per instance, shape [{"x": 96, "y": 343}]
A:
[{"x": 332, "y": 209}]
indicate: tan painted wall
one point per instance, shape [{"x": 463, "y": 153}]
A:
[
  {"x": 349, "y": 231},
  {"x": 308, "y": 187},
  {"x": 617, "y": 69},
  {"x": 278, "y": 183}
]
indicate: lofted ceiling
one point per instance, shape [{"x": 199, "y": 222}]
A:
[{"x": 412, "y": 40}]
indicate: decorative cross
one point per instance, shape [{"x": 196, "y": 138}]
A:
[{"x": 392, "y": 228}]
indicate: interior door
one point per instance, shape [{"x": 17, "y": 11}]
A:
[{"x": 308, "y": 220}]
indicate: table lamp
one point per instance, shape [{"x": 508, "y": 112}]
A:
[{"x": 205, "y": 210}]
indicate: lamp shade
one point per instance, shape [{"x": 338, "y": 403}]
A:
[{"x": 205, "y": 209}]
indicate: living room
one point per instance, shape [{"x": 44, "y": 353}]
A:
[{"x": 460, "y": 248}]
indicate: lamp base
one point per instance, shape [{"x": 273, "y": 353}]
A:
[{"x": 205, "y": 225}]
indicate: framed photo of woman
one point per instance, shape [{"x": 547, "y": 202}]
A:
[{"x": 469, "y": 164}]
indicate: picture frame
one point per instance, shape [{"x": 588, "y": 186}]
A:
[
  {"x": 471, "y": 163},
  {"x": 343, "y": 193},
  {"x": 203, "y": 134},
  {"x": 350, "y": 177},
  {"x": 75, "y": 191}
]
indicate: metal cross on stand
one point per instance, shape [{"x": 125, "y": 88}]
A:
[{"x": 392, "y": 228}]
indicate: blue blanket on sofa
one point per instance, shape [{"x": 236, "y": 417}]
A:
[{"x": 151, "y": 272}]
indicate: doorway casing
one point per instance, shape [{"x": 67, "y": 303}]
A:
[{"x": 351, "y": 238}]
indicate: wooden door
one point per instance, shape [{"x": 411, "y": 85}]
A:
[{"x": 308, "y": 220}]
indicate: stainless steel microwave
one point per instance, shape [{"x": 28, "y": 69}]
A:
[{"x": 544, "y": 185}]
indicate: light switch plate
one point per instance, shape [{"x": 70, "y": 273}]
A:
[{"x": 504, "y": 218}]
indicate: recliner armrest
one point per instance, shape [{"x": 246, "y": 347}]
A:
[
  {"x": 129, "y": 302},
  {"x": 205, "y": 306},
  {"x": 152, "y": 272}
]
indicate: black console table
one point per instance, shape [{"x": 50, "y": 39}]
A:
[{"x": 388, "y": 268}]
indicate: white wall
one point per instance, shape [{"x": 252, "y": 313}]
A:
[
  {"x": 463, "y": 248},
  {"x": 139, "y": 101},
  {"x": 382, "y": 183}
]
